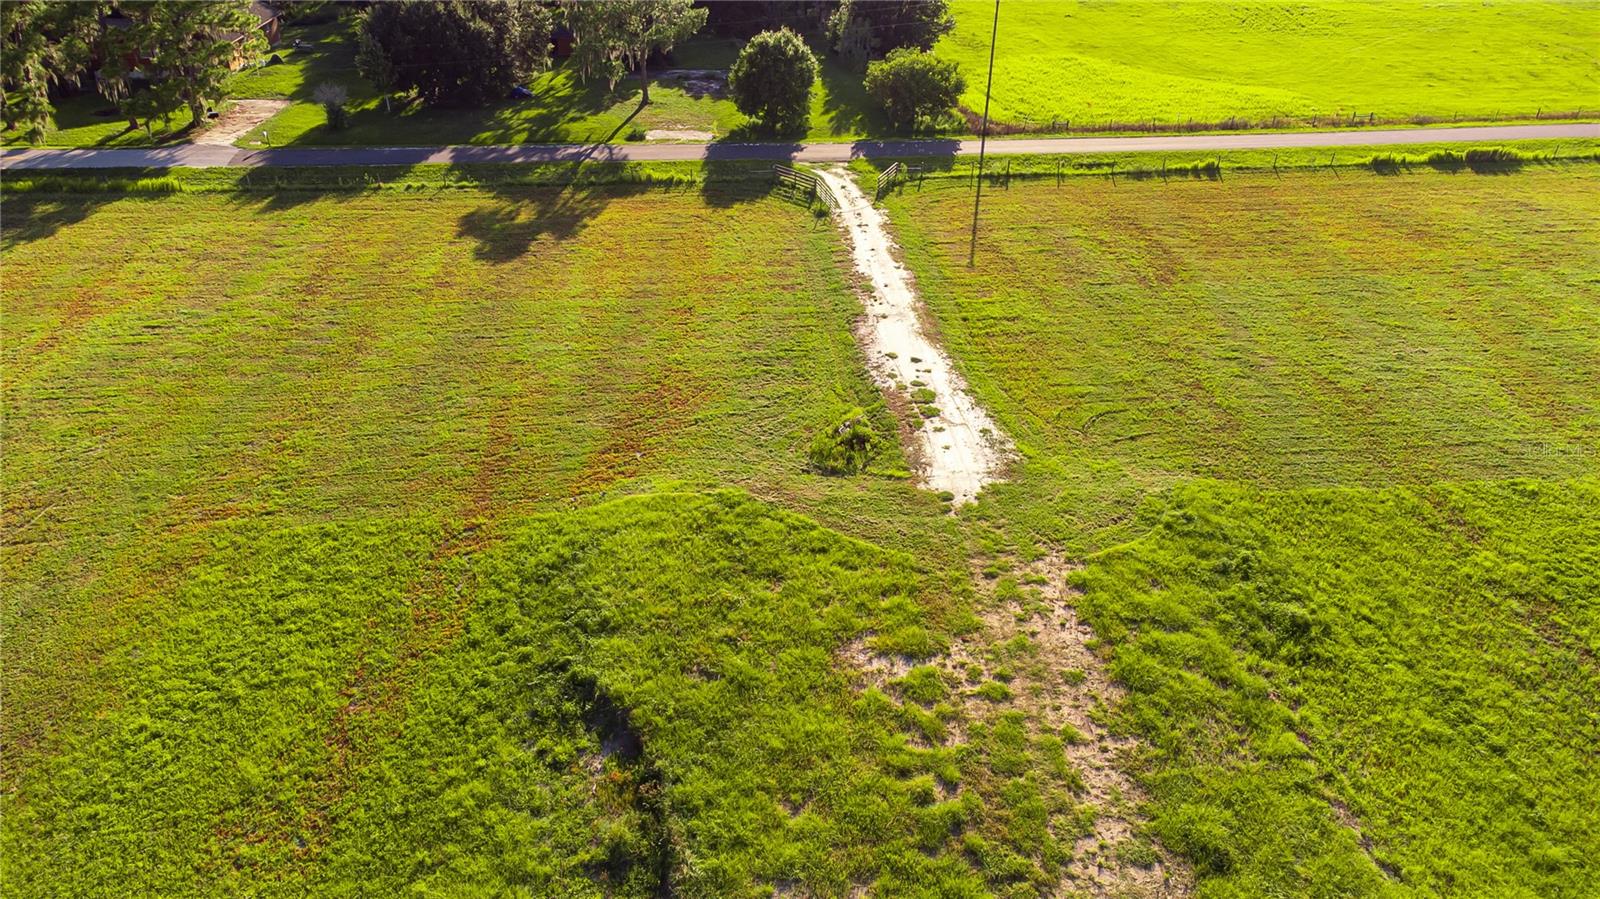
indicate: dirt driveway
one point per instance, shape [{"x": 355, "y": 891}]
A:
[
  {"x": 240, "y": 118},
  {"x": 959, "y": 447}
]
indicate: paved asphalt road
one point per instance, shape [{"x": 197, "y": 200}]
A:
[{"x": 198, "y": 156}]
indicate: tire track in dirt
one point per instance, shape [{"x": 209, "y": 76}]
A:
[{"x": 960, "y": 447}]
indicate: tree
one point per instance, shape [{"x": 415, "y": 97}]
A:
[
  {"x": 747, "y": 18},
  {"x": 43, "y": 43},
  {"x": 912, "y": 85},
  {"x": 184, "y": 48},
  {"x": 375, "y": 65},
  {"x": 613, "y": 36},
  {"x": 859, "y": 28},
  {"x": 771, "y": 80},
  {"x": 454, "y": 53},
  {"x": 852, "y": 40}
]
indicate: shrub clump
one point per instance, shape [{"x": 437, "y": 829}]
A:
[
  {"x": 331, "y": 97},
  {"x": 771, "y": 80},
  {"x": 847, "y": 447},
  {"x": 914, "y": 85}
]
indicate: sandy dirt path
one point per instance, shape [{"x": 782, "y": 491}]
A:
[
  {"x": 961, "y": 449},
  {"x": 241, "y": 117}
]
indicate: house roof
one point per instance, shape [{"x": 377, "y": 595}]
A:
[{"x": 264, "y": 14}]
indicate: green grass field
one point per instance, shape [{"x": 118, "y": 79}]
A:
[
  {"x": 271, "y": 357},
  {"x": 641, "y": 691},
  {"x": 278, "y": 465},
  {"x": 1087, "y": 64},
  {"x": 1208, "y": 61},
  {"x": 1310, "y": 330},
  {"x": 1277, "y": 416},
  {"x": 457, "y": 537},
  {"x": 1419, "y": 659}
]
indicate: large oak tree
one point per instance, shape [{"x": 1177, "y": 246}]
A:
[
  {"x": 613, "y": 36},
  {"x": 181, "y": 49},
  {"x": 454, "y": 53}
]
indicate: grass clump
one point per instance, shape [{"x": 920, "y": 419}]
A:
[
  {"x": 923, "y": 684},
  {"x": 847, "y": 447}
]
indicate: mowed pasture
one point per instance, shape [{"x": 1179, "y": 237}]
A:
[
  {"x": 1316, "y": 329},
  {"x": 1093, "y": 63},
  {"x": 1326, "y": 444},
  {"x": 367, "y": 540},
  {"x": 359, "y": 540},
  {"x": 176, "y": 361},
  {"x": 263, "y": 453}
]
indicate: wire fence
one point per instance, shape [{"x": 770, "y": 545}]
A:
[
  {"x": 963, "y": 173},
  {"x": 1280, "y": 122}
]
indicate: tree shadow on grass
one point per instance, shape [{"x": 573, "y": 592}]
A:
[
  {"x": 271, "y": 189},
  {"x": 727, "y": 181},
  {"x": 1485, "y": 164},
  {"x": 58, "y": 198},
  {"x": 1452, "y": 162},
  {"x": 28, "y": 217},
  {"x": 845, "y": 105},
  {"x": 561, "y": 109},
  {"x": 506, "y": 228}
]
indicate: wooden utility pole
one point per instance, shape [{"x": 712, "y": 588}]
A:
[{"x": 983, "y": 138}]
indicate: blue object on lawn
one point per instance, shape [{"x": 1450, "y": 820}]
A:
[{"x": 521, "y": 93}]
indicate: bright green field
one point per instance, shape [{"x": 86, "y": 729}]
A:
[
  {"x": 642, "y": 692},
  {"x": 1422, "y": 659},
  {"x": 1057, "y": 60},
  {"x": 1311, "y": 330},
  {"x": 1208, "y": 60},
  {"x": 311, "y": 583},
  {"x": 1234, "y": 376},
  {"x": 460, "y": 540}
]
